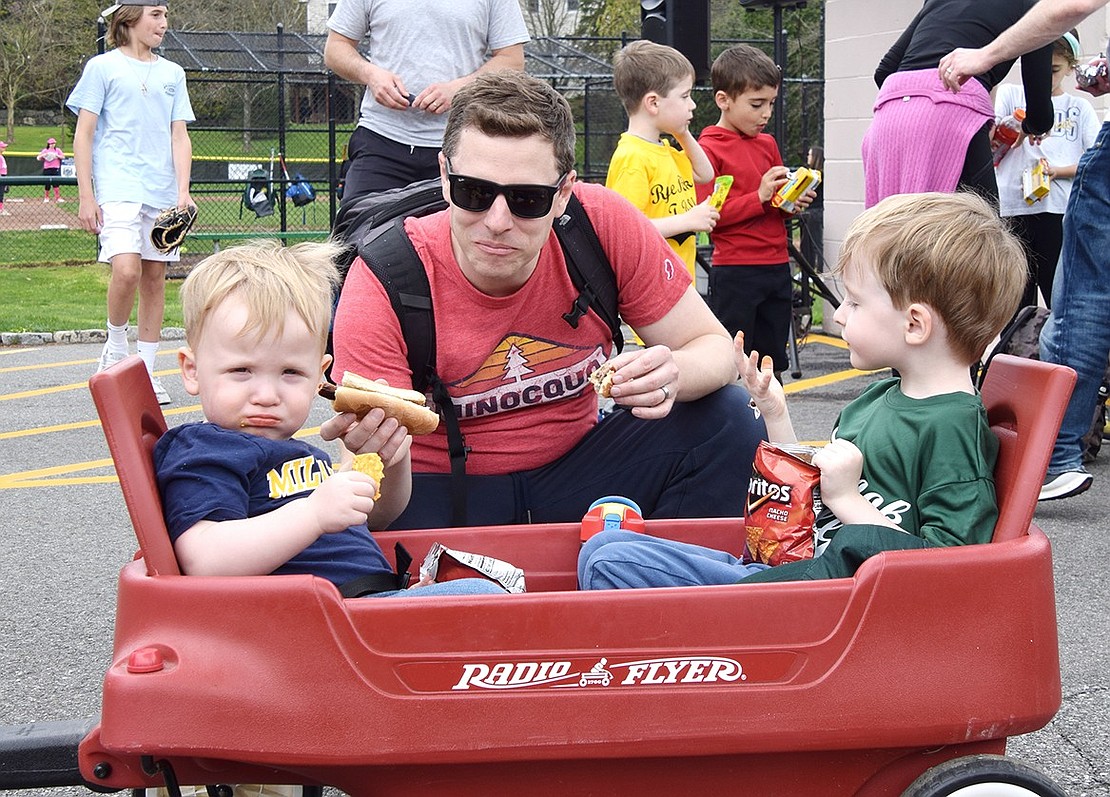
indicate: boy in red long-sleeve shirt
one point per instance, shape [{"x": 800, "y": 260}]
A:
[{"x": 749, "y": 283}]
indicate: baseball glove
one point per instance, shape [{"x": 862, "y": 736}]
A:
[{"x": 170, "y": 227}]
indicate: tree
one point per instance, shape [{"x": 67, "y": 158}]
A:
[
  {"x": 611, "y": 18},
  {"x": 238, "y": 15},
  {"x": 257, "y": 16},
  {"x": 36, "y": 63},
  {"x": 547, "y": 17}
]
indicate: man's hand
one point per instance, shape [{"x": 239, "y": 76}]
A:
[
  {"x": 344, "y": 499},
  {"x": 437, "y": 97},
  {"x": 374, "y": 434},
  {"x": 1099, "y": 81},
  {"x": 646, "y": 381},
  {"x": 961, "y": 65},
  {"x": 89, "y": 216},
  {"x": 387, "y": 88}
]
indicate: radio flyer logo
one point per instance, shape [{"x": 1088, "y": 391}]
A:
[
  {"x": 522, "y": 372},
  {"x": 603, "y": 673}
]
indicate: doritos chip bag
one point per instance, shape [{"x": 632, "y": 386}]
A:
[{"x": 783, "y": 501}]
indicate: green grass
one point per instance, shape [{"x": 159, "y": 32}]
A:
[
  {"x": 46, "y": 246},
  {"x": 32, "y": 138},
  {"x": 50, "y": 298},
  {"x": 303, "y": 143}
]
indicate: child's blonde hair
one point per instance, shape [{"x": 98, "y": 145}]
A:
[
  {"x": 270, "y": 278},
  {"x": 949, "y": 251},
  {"x": 742, "y": 67},
  {"x": 643, "y": 67}
]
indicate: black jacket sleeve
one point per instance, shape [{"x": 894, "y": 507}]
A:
[
  {"x": 1036, "y": 78},
  {"x": 890, "y": 62}
]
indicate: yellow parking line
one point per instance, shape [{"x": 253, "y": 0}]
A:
[
  {"x": 44, "y": 391},
  {"x": 66, "y": 427},
  {"x": 38, "y": 478},
  {"x": 38, "y": 366},
  {"x": 827, "y": 379},
  {"x": 29, "y": 478}
]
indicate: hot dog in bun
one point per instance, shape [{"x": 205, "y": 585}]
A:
[{"x": 359, "y": 395}]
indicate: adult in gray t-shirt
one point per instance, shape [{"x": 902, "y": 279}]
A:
[{"x": 418, "y": 56}]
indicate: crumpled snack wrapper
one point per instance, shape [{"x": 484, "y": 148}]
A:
[
  {"x": 783, "y": 502},
  {"x": 444, "y": 564}
]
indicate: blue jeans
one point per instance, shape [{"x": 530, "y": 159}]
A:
[
  {"x": 459, "y": 586},
  {"x": 627, "y": 560},
  {"x": 1077, "y": 333}
]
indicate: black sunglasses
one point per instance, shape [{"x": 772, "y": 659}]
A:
[{"x": 523, "y": 201}]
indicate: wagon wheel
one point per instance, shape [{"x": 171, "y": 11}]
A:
[{"x": 983, "y": 776}]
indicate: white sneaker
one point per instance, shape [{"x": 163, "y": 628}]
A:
[
  {"x": 46, "y": 200},
  {"x": 160, "y": 392},
  {"x": 60, "y": 201},
  {"x": 1065, "y": 485},
  {"x": 4, "y": 213},
  {"x": 109, "y": 357}
]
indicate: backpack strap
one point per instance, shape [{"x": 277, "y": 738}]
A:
[
  {"x": 390, "y": 255},
  {"x": 589, "y": 269}
]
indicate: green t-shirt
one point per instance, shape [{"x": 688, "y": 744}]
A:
[{"x": 928, "y": 464}]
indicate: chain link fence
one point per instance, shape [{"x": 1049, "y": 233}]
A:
[{"x": 270, "y": 115}]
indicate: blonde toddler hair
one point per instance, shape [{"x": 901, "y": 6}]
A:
[{"x": 271, "y": 278}]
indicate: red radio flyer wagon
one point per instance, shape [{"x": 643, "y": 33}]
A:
[{"x": 906, "y": 679}]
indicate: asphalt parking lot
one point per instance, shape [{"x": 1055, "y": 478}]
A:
[{"x": 64, "y": 534}]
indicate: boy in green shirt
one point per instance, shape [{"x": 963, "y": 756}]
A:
[{"x": 929, "y": 280}]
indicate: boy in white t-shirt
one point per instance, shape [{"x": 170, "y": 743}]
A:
[
  {"x": 1041, "y": 225},
  {"x": 133, "y": 158}
]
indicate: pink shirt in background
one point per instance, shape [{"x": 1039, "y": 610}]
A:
[{"x": 51, "y": 157}]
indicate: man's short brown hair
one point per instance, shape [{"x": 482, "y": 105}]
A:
[
  {"x": 511, "y": 104},
  {"x": 643, "y": 67},
  {"x": 951, "y": 252},
  {"x": 742, "y": 67}
]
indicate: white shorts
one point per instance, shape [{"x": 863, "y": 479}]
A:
[{"x": 126, "y": 230}]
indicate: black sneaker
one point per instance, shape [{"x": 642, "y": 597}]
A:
[{"x": 1065, "y": 485}]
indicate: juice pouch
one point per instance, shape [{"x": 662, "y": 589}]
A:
[
  {"x": 1035, "y": 182},
  {"x": 800, "y": 180},
  {"x": 783, "y": 502},
  {"x": 720, "y": 191}
]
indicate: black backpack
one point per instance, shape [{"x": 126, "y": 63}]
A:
[
  {"x": 372, "y": 228},
  {"x": 257, "y": 195}
]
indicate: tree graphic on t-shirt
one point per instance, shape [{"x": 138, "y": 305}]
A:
[{"x": 516, "y": 364}]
